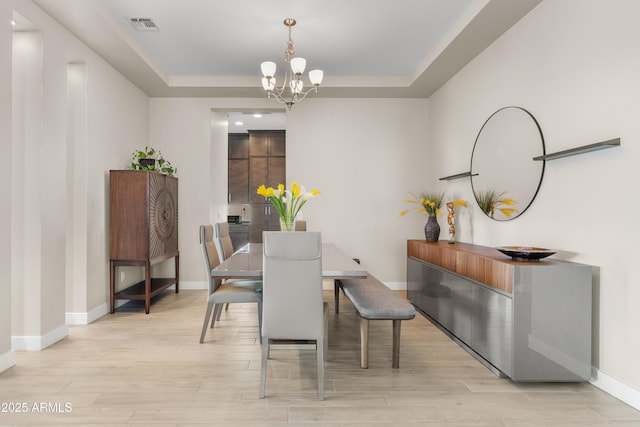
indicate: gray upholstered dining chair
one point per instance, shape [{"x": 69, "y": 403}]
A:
[
  {"x": 293, "y": 308},
  {"x": 222, "y": 292},
  {"x": 224, "y": 245},
  {"x": 225, "y": 249}
]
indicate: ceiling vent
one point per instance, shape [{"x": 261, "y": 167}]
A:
[{"x": 144, "y": 24}]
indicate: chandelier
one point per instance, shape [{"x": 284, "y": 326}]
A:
[{"x": 292, "y": 88}]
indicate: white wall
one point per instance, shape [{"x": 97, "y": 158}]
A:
[
  {"x": 61, "y": 161},
  {"x": 363, "y": 155},
  {"x": 574, "y": 65}
]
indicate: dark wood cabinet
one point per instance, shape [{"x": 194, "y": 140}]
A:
[
  {"x": 238, "y": 168},
  {"x": 238, "y": 145},
  {"x": 267, "y": 143},
  {"x": 256, "y": 158},
  {"x": 143, "y": 207},
  {"x": 238, "y": 181},
  {"x": 267, "y": 165}
]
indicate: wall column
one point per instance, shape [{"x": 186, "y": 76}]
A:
[{"x": 6, "y": 355}]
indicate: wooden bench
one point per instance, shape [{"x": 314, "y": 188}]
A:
[{"x": 373, "y": 300}]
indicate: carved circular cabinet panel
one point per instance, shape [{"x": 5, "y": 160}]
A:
[{"x": 163, "y": 216}]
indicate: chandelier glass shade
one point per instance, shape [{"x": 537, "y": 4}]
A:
[{"x": 291, "y": 89}]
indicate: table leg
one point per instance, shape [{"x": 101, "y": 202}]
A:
[
  {"x": 364, "y": 342},
  {"x": 396, "y": 344}
]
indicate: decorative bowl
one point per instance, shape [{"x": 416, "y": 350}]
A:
[{"x": 525, "y": 253}]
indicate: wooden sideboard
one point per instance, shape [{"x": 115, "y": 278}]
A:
[{"x": 527, "y": 320}]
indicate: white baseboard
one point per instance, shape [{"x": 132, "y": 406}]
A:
[
  {"x": 615, "y": 388},
  {"x": 86, "y": 318},
  {"x": 39, "y": 342},
  {"x": 396, "y": 286},
  {"x": 191, "y": 286},
  {"x": 7, "y": 360}
]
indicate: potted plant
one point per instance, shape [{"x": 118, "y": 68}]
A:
[{"x": 151, "y": 159}]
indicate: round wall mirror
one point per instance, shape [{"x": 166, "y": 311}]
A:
[{"x": 504, "y": 177}]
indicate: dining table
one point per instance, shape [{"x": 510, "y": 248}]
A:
[{"x": 246, "y": 263}]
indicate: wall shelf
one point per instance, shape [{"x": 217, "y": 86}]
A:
[
  {"x": 580, "y": 150},
  {"x": 457, "y": 176}
]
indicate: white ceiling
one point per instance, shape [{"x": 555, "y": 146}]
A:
[{"x": 213, "y": 48}]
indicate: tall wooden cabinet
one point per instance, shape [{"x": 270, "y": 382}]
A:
[{"x": 143, "y": 230}]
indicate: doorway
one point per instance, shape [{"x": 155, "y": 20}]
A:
[{"x": 256, "y": 156}]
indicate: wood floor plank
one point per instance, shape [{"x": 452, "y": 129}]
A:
[{"x": 135, "y": 369}]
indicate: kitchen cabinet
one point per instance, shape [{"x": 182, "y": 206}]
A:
[
  {"x": 267, "y": 143},
  {"x": 527, "y": 320},
  {"x": 267, "y": 165},
  {"x": 238, "y": 169},
  {"x": 256, "y": 158},
  {"x": 238, "y": 145}
]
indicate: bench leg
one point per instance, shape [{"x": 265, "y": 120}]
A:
[
  {"x": 396, "y": 344},
  {"x": 336, "y": 295},
  {"x": 364, "y": 343}
]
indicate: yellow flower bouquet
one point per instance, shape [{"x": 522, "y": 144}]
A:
[
  {"x": 287, "y": 202},
  {"x": 430, "y": 203}
]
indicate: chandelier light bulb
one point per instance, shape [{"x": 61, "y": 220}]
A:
[
  {"x": 316, "y": 77},
  {"x": 298, "y": 65},
  {"x": 268, "y": 68},
  {"x": 296, "y": 86},
  {"x": 269, "y": 84}
]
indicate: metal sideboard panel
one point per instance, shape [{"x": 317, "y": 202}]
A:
[{"x": 539, "y": 332}]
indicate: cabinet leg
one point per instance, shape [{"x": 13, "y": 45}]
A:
[
  {"x": 147, "y": 287},
  {"x": 177, "y": 260},
  {"x": 112, "y": 286}
]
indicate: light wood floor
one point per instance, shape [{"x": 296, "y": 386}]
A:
[{"x": 132, "y": 368}]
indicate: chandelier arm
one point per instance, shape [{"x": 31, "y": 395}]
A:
[
  {"x": 304, "y": 94},
  {"x": 294, "y": 99}
]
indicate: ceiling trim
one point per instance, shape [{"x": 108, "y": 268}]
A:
[{"x": 475, "y": 30}]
